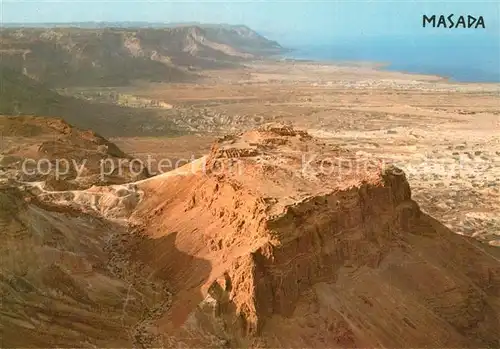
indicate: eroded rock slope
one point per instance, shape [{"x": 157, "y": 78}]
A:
[
  {"x": 274, "y": 239},
  {"x": 60, "y": 156}
]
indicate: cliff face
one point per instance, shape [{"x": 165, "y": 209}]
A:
[
  {"x": 281, "y": 252},
  {"x": 319, "y": 236}
]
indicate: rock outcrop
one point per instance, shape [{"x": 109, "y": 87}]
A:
[
  {"x": 61, "y": 156},
  {"x": 279, "y": 224}
]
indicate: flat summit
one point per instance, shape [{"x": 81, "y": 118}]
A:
[{"x": 284, "y": 252}]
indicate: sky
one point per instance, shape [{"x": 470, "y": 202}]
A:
[{"x": 285, "y": 21}]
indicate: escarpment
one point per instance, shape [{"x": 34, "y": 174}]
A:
[
  {"x": 317, "y": 236},
  {"x": 282, "y": 233}
]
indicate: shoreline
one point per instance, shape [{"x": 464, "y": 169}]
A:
[
  {"x": 370, "y": 65},
  {"x": 380, "y": 67},
  {"x": 351, "y": 75}
]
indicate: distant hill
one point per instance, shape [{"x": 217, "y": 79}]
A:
[
  {"x": 118, "y": 55},
  {"x": 21, "y": 95},
  {"x": 36, "y": 138}
]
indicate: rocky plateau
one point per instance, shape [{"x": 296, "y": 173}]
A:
[{"x": 252, "y": 245}]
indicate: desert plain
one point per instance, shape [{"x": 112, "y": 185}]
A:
[{"x": 444, "y": 135}]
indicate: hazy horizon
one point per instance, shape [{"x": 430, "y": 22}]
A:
[
  {"x": 289, "y": 21},
  {"x": 386, "y": 31}
]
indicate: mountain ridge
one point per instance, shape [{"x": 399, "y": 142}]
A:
[
  {"x": 117, "y": 56},
  {"x": 22, "y": 95}
]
